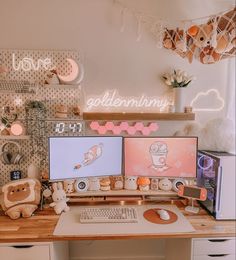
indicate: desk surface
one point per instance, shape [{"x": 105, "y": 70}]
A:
[{"x": 40, "y": 227}]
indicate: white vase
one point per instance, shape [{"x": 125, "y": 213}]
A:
[{"x": 179, "y": 100}]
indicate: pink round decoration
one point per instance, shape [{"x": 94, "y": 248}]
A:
[
  {"x": 109, "y": 125},
  {"x": 146, "y": 131},
  {"x": 139, "y": 126},
  {"x": 102, "y": 130},
  {"x": 17, "y": 129},
  {"x": 116, "y": 130},
  {"x": 153, "y": 127},
  {"x": 124, "y": 126},
  {"x": 131, "y": 130},
  {"x": 94, "y": 125}
]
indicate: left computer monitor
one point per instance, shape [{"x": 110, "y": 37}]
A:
[{"x": 84, "y": 156}]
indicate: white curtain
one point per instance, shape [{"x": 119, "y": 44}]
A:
[{"x": 230, "y": 96}]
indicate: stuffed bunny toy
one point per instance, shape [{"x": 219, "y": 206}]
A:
[{"x": 59, "y": 198}]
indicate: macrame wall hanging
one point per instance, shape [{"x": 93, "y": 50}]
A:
[
  {"x": 208, "y": 42},
  {"x": 208, "y": 39}
]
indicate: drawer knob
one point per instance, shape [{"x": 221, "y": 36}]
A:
[{"x": 219, "y": 255}]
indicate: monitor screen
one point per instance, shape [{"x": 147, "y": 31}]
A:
[
  {"x": 192, "y": 192},
  {"x": 84, "y": 156},
  {"x": 160, "y": 156}
]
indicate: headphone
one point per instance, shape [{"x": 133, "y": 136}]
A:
[{"x": 11, "y": 157}]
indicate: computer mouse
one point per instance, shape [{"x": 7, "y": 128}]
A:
[{"x": 164, "y": 215}]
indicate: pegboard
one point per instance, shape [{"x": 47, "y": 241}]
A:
[{"x": 50, "y": 95}]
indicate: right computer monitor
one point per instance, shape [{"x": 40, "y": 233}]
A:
[{"x": 161, "y": 156}]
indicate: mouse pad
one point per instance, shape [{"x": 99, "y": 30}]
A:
[
  {"x": 69, "y": 224},
  {"x": 151, "y": 215}
]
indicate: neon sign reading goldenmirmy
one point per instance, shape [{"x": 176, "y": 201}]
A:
[{"x": 111, "y": 100}]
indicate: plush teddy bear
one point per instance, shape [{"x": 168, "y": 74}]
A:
[
  {"x": 176, "y": 40},
  {"x": 59, "y": 198},
  {"x": 226, "y": 36},
  {"x": 201, "y": 38},
  {"x": 217, "y": 135},
  {"x": 226, "y": 41},
  {"x": 208, "y": 55},
  {"x": 21, "y": 197},
  {"x": 168, "y": 39}
]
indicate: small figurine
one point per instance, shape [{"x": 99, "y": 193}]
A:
[
  {"x": 131, "y": 183},
  {"x": 76, "y": 110},
  {"x": 68, "y": 186},
  {"x": 117, "y": 182},
  {"x": 143, "y": 183},
  {"x": 51, "y": 77},
  {"x": 154, "y": 184},
  {"x": 105, "y": 184},
  {"x": 61, "y": 111},
  {"x": 59, "y": 198},
  {"x": 165, "y": 184},
  {"x": 94, "y": 184}
]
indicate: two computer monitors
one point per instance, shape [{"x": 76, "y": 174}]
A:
[{"x": 95, "y": 156}]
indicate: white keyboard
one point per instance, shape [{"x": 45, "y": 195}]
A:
[{"x": 109, "y": 215}]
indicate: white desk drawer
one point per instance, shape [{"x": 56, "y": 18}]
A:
[
  {"x": 214, "y": 246},
  {"x": 19, "y": 252},
  {"x": 206, "y": 257}
]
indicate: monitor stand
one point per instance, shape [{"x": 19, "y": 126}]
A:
[{"x": 191, "y": 208}]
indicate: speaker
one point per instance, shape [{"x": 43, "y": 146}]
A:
[
  {"x": 177, "y": 182},
  {"x": 81, "y": 185},
  {"x": 8, "y": 157}
]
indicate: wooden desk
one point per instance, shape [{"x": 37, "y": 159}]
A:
[{"x": 40, "y": 228}]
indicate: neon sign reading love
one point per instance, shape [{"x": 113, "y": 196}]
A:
[
  {"x": 28, "y": 64},
  {"x": 112, "y": 99}
]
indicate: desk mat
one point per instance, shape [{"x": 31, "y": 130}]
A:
[
  {"x": 69, "y": 224},
  {"x": 152, "y": 216}
]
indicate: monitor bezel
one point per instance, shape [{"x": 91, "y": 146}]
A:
[
  {"x": 152, "y": 137},
  {"x": 86, "y": 136}
]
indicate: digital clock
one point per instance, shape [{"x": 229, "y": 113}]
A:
[{"x": 62, "y": 127}]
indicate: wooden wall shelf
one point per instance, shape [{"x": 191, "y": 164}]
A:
[
  {"x": 13, "y": 137},
  {"x": 137, "y": 116}
]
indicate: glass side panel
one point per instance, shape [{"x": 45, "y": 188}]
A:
[{"x": 207, "y": 171}]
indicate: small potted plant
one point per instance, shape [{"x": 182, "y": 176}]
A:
[{"x": 178, "y": 80}]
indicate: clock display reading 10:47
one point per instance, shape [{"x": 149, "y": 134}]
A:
[{"x": 62, "y": 127}]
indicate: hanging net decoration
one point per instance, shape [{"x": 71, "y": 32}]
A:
[{"x": 208, "y": 41}]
